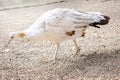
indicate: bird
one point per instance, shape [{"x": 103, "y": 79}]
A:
[{"x": 60, "y": 24}]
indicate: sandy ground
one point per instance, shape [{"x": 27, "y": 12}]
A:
[{"x": 100, "y": 49}]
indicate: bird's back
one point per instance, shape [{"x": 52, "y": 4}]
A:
[{"x": 61, "y": 24}]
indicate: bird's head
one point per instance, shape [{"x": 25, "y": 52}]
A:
[{"x": 15, "y": 35}]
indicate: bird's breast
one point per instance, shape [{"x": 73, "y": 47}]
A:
[{"x": 59, "y": 34}]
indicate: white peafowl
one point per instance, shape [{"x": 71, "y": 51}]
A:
[{"x": 61, "y": 24}]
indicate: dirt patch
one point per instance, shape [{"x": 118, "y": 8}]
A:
[{"x": 100, "y": 49}]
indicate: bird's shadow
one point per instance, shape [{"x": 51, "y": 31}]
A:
[{"x": 102, "y": 62}]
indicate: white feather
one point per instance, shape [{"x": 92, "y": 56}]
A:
[{"x": 53, "y": 24}]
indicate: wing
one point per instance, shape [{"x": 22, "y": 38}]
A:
[
  {"x": 68, "y": 18},
  {"x": 80, "y": 19}
]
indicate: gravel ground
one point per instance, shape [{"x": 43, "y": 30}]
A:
[{"x": 100, "y": 49}]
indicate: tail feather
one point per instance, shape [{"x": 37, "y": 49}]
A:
[{"x": 101, "y": 22}]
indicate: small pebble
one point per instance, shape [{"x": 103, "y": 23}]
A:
[{"x": 6, "y": 50}]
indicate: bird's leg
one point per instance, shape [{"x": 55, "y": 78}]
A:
[
  {"x": 78, "y": 49},
  {"x": 57, "y": 46}
]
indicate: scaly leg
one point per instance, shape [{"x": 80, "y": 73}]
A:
[
  {"x": 57, "y": 46},
  {"x": 78, "y": 49}
]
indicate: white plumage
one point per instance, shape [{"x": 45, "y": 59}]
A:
[{"x": 60, "y": 24}]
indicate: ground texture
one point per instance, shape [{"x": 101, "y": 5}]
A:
[{"x": 100, "y": 49}]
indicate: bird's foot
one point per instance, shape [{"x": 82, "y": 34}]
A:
[
  {"x": 78, "y": 51},
  {"x": 55, "y": 59}
]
